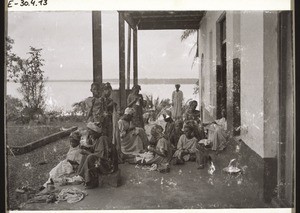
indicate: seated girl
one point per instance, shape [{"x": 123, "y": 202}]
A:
[
  {"x": 170, "y": 125},
  {"x": 176, "y": 134},
  {"x": 186, "y": 147},
  {"x": 133, "y": 140},
  {"x": 217, "y": 133},
  {"x": 162, "y": 152},
  {"x": 70, "y": 164}
]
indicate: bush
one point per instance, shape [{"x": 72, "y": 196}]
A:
[
  {"x": 14, "y": 108},
  {"x": 154, "y": 108},
  {"x": 79, "y": 108}
]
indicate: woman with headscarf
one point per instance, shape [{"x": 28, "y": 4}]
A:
[
  {"x": 96, "y": 160},
  {"x": 133, "y": 139},
  {"x": 162, "y": 151},
  {"x": 193, "y": 116},
  {"x": 192, "y": 113},
  {"x": 136, "y": 101},
  {"x": 186, "y": 147}
]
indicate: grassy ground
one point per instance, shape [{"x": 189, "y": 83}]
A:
[
  {"x": 19, "y": 135},
  {"x": 25, "y": 169}
]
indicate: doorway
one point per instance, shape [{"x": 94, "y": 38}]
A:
[{"x": 221, "y": 80}]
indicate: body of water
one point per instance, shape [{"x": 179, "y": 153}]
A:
[{"x": 61, "y": 95}]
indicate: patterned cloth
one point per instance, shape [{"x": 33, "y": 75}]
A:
[
  {"x": 99, "y": 156},
  {"x": 95, "y": 108},
  {"x": 71, "y": 195}
]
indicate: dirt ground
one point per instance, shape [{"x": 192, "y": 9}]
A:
[{"x": 184, "y": 187}]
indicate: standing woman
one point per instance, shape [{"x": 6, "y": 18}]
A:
[
  {"x": 135, "y": 101},
  {"x": 177, "y": 98},
  {"x": 94, "y": 104},
  {"x": 111, "y": 122},
  {"x": 108, "y": 110}
]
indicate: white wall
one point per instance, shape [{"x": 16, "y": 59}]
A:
[
  {"x": 252, "y": 89},
  {"x": 250, "y": 36}
]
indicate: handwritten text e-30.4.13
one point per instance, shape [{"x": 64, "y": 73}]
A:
[{"x": 24, "y": 3}]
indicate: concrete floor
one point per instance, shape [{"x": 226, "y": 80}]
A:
[{"x": 184, "y": 187}]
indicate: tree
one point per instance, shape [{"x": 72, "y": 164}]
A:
[
  {"x": 13, "y": 62},
  {"x": 28, "y": 72},
  {"x": 32, "y": 83}
]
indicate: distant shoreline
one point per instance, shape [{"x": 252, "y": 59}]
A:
[{"x": 140, "y": 81}]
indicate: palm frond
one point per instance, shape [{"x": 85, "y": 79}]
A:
[{"x": 187, "y": 33}]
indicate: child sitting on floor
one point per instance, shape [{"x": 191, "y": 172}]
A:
[
  {"x": 70, "y": 164},
  {"x": 186, "y": 146}
]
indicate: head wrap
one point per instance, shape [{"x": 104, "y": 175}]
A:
[
  {"x": 107, "y": 86},
  {"x": 96, "y": 84},
  {"x": 156, "y": 130},
  {"x": 193, "y": 102},
  {"x": 167, "y": 114},
  {"x": 95, "y": 127},
  {"x": 75, "y": 135},
  {"x": 190, "y": 125},
  {"x": 136, "y": 87},
  {"x": 179, "y": 122},
  {"x": 129, "y": 111}
]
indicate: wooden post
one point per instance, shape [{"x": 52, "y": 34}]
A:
[
  {"x": 135, "y": 57},
  {"x": 122, "y": 62},
  {"x": 128, "y": 57},
  {"x": 97, "y": 46}
]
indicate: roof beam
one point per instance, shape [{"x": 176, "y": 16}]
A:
[
  {"x": 129, "y": 20},
  {"x": 168, "y": 26},
  {"x": 164, "y": 13},
  {"x": 152, "y": 20},
  {"x": 169, "y": 20}
]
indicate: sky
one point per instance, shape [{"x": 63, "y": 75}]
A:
[{"x": 66, "y": 40}]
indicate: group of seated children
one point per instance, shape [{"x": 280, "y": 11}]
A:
[
  {"x": 179, "y": 142},
  {"x": 172, "y": 144}
]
